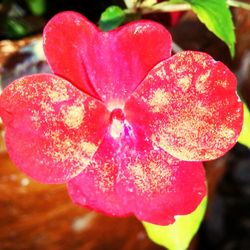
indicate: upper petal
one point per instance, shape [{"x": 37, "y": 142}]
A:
[
  {"x": 189, "y": 107},
  {"x": 113, "y": 63},
  {"x": 129, "y": 175},
  {"x": 52, "y": 128},
  {"x": 66, "y": 39}
]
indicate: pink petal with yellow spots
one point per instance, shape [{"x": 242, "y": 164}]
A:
[
  {"x": 189, "y": 107},
  {"x": 109, "y": 63},
  {"x": 129, "y": 175},
  {"x": 52, "y": 128},
  {"x": 95, "y": 187}
]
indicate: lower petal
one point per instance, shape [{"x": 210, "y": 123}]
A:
[
  {"x": 95, "y": 187},
  {"x": 129, "y": 175},
  {"x": 157, "y": 186}
]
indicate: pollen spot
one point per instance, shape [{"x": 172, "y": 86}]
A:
[
  {"x": 172, "y": 67},
  {"x": 58, "y": 95},
  {"x": 73, "y": 116},
  {"x": 184, "y": 82},
  {"x": 161, "y": 73},
  {"x": 153, "y": 177},
  {"x": 159, "y": 99},
  {"x": 226, "y": 132},
  {"x": 105, "y": 179},
  {"x": 179, "y": 135},
  {"x": 36, "y": 120},
  {"x": 65, "y": 150},
  {"x": 222, "y": 83},
  {"x": 200, "y": 59},
  {"x": 202, "y": 83},
  {"x": 46, "y": 106},
  {"x": 88, "y": 147}
]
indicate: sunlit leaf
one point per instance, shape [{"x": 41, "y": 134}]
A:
[
  {"x": 245, "y": 133},
  {"x": 178, "y": 235},
  {"x": 218, "y": 19},
  {"x": 111, "y": 18},
  {"x": 16, "y": 27},
  {"x": 37, "y": 7}
]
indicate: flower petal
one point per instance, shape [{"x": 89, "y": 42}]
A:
[
  {"x": 52, "y": 128},
  {"x": 113, "y": 62},
  {"x": 127, "y": 175},
  {"x": 66, "y": 38},
  {"x": 95, "y": 186},
  {"x": 157, "y": 186},
  {"x": 189, "y": 107}
]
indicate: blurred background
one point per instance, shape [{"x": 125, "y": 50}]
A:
[{"x": 38, "y": 216}]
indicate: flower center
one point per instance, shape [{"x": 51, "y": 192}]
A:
[{"x": 117, "y": 120}]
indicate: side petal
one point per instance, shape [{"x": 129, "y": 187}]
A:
[
  {"x": 113, "y": 63},
  {"x": 127, "y": 175},
  {"x": 52, "y": 128},
  {"x": 189, "y": 107}
]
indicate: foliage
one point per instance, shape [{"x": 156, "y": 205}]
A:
[
  {"x": 111, "y": 18},
  {"x": 178, "y": 235},
  {"x": 245, "y": 133},
  {"x": 37, "y": 7},
  {"x": 218, "y": 19}
]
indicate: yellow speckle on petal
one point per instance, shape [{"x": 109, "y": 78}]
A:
[
  {"x": 73, "y": 116},
  {"x": 184, "y": 82},
  {"x": 35, "y": 118},
  {"x": 172, "y": 67},
  {"x": 161, "y": 73},
  {"x": 159, "y": 99},
  {"x": 88, "y": 147},
  {"x": 46, "y": 107},
  {"x": 200, "y": 59},
  {"x": 202, "y": 83},
  {"x": 65, "y": 150},
  {"x": 105, "y": 179},
  {"x": 226, "y": 132},
  {"x": 152, "y": 177},
  {"x": 222, "y": 83},
  {"x": 58, "y": 95},
  {"x": 180, "y": 135}
]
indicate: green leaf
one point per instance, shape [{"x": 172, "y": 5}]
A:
[
  {"x": 111, "y": 18},
  {"x": 177, "y": 236},
  {"x": 37, "y": 7},
  {"x": 245, "y": 132},
  {"x": 215, "y": 14},
  {"x": 16, "y": 27}
]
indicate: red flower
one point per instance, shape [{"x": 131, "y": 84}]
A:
[{"x": 129, "y": 135}]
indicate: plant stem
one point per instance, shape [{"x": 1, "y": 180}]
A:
[
  {"x": 163, "y": 7},
  {"x": 176, "y": 48},
  {"x": 238, "y": 4},
  {"x": 166, "y": 7}
]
